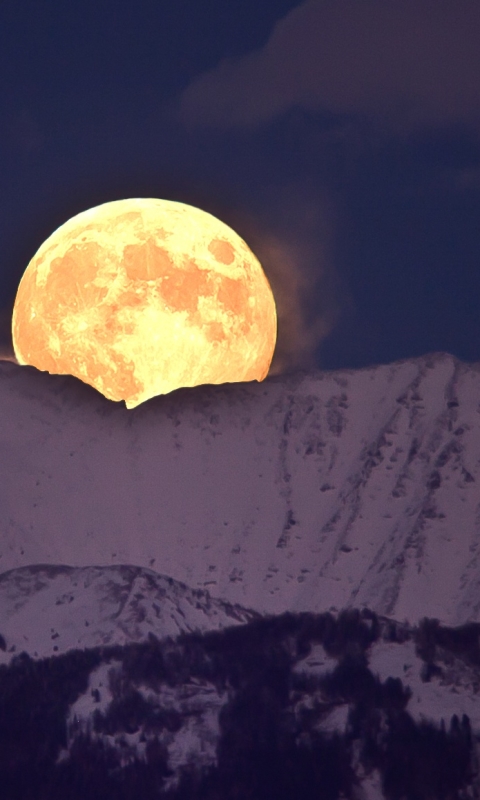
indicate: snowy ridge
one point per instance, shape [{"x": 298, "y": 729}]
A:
[
  {"x": 47, "y": 610},
  {"x": 305, "y": 492}
]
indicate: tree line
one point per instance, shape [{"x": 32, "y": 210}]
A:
[{"x": 270, "y": 745}]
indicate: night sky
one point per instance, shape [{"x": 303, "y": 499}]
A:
[{"x": 340, "y": 138}]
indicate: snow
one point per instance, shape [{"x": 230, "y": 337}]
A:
[
  {"x": 308, "y": 492},
  {"x": 48, "y": 610},
  {"x": 441, "y": 697},
  {"x": 392, "y": 660},
  {"x": 82, "y": 710},
  {"x": 195, "y": 742},
  {"x": 305, "y": 492},
  {"x": 371, "y": 787},
  {"x": 335, "y": 721},
  {"x": 316, "y": 663}
]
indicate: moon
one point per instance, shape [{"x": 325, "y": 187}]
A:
[{"x": 142, "y": 296}]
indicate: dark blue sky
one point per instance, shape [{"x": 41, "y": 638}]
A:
[{"x": 341, "y": 139}]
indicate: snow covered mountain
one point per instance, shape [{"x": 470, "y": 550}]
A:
[
  {"x": 306, "y": 492},
  {"x": 47, "y": 610},
  {"x": 292, "y": 706}
]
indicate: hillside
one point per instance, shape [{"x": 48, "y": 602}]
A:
[
  {"x": 306, "y": 492},
  {"x": 47, "y": 610},
  {"x": 305, "y": 706}
]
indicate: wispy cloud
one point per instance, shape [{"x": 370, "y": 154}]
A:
[
  {"x": 6, "y": 345},
  {"x": 405, "y": 62},
  {"x": 293, "y": 239}
]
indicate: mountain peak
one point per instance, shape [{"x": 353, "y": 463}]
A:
[{"x": 47, "y": 609}]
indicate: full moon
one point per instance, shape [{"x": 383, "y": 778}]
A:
[{"x": 140, "y": 297}]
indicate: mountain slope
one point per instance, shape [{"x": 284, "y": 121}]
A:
[
  {"x": 304, "y": 492},
  {"x": 293, "y": 706},
  {"x": 47, "y": 610}
]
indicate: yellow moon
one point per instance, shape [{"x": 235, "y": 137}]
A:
[{"x": 139, "y": 297}]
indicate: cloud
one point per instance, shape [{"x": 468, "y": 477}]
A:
[
  {"x": 404, "y": 62},
  {"x": 300, "y": 333},
  {"x": 6, "y": 345},
  {"x": 292, "y": 238}
]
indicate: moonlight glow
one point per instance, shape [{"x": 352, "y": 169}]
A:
[{"x": 140, "y": 297}]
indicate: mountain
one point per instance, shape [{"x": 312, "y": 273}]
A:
[
  {"x": 293, "y": 706},
  {"x": 47, "y": 610},
  {"x": 307, "y": 492}
]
